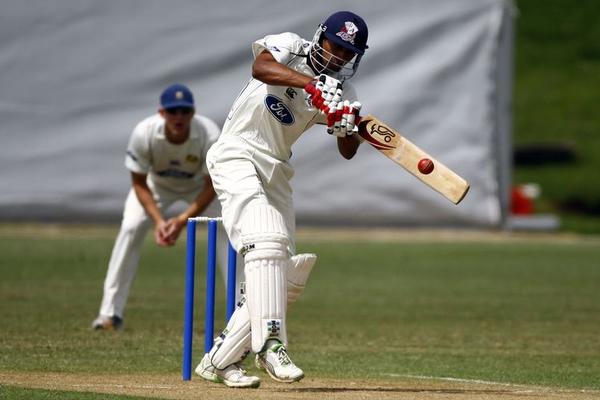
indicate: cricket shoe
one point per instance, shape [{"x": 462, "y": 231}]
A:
[
  {"x": 233, "y": 376},
  {"x": 105, "y": 323},
  {"x": 278, "y": 364}
]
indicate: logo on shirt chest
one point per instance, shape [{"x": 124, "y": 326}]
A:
[
  {"x": 290, "y": 93},
  {"x": 279, "y": 110}
]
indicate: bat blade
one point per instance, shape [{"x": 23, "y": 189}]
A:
[{"x": 405, "y": 153}]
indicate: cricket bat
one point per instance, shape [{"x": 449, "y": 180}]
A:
[{"x": 408, "y": 155}]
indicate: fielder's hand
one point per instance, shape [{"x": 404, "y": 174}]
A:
[
  {"x": 167, "y": 232},
  {"x": 341, "y": 120},
  {"x": 324, "y": 93},
  {"x": 162, "y": 231}
]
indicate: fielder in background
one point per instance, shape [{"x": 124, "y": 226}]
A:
[
  {"x": 250, "y": 169},
  {"x": 166, "y": 157}
]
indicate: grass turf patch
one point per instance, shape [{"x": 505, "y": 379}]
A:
[
  {"x": 17, "y": 393},
  {"x": 508, "y": 312}
]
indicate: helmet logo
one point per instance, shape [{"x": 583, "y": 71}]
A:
[
  {"x": 179, "y": 95},
  {"x": 348, "y": 32}
]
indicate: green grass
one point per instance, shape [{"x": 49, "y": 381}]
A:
[
  {"x": 18, "y": 393},
  {"x": 507, "y": 312},
  {"x": 556, "y": 98}
]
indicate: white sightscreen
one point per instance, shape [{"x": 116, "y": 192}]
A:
[{"x": 78, "y": 75}]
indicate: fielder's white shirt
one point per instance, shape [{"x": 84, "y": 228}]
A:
[
  {"x": 271, "y": 118},
  {"x": 179, "y": 168}
]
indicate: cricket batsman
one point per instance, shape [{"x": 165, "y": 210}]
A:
[{"x": 250, "y": 170}]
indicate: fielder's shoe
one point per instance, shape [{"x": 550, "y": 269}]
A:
[
  {"x": 278, "y": 364},
  {"x": 232, "y": 376},
  {"x": 107, "y": 323}
]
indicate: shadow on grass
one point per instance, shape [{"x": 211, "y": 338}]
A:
[{"x": 399, "y": 390}]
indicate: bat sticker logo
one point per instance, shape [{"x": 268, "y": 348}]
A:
[
  {"x": 374, "y": 133},
  {"x": 384, "y": 131}
]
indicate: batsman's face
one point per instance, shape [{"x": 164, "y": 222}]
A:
[
  {"x": 177, "y": 123},
  {"x": 335, "y": 56}
]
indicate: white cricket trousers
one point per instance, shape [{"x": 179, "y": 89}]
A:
[
  {"x": 124, "y": 260},
  {"x": 247, "y": 180},
  {"x": 241, "y": 174}
]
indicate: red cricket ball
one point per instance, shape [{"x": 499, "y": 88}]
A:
[{"x": 425, "y": 166}]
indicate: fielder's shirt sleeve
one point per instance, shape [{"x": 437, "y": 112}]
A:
[{"x": 138, "y": 157}]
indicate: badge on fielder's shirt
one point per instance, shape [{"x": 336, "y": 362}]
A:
[{"x": 191, "y": 158}]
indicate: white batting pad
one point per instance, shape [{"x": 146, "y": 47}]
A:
[
  {"x": 234, "y": 342},
  {"x": 298, "y": 271},
  {"x": 266, "y": 291},
  {"x": 264, "y": 233},
  {"x": 265, "y": 240}
]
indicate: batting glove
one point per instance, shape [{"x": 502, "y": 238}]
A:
[
  {"x": 341, "y": 119},
  {"x": 324, "y": 92}
]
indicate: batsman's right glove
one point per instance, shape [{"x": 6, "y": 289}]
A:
[{"x": 341, "y": 120}]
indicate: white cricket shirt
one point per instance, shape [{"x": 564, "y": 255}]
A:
[
  {"x": 177, "y": 167},
  {"x": 271, "y": 118}
]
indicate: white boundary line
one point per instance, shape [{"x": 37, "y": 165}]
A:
[
  {"x": 451, "y": 379},
  {"x": 531, "y": 388},
  {"x": 122, "y": 386}
]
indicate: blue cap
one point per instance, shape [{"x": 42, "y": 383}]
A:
[
  {"x": 347, "y": 30},
  {"x": 177, "y": 95}
]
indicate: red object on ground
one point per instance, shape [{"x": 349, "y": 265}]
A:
[{"x": 520, "y": 203}]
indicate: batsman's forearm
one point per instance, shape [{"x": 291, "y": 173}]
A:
[{"x": 266, "y": 69}]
